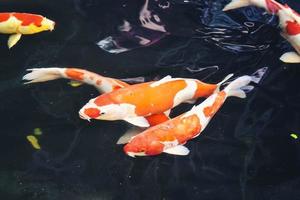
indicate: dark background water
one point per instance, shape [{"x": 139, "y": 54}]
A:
[{"x": 246, "y": 152}]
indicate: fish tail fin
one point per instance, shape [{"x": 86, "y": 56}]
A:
[
  {"x": 236, "y": 4},
  {"x": 223, "y": 81},
  {"x": 36, "y": 75},
  {"x": 235, "y": 87}
]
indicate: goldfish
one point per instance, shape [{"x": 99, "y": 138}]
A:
[
  {"x": 135, "y": 102},
  {"x": 289, "y": 22},
  {"x": 101, "y": 83},
  {"x": 170, "y": 136},
  {"x": 18, "y": 24}
]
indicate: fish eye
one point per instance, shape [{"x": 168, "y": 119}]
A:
[{"x": 102, "y": 113}]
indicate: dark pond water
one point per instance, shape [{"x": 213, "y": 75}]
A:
[{"x": 246, "y": 152}]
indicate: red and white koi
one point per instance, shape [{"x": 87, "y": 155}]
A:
[
  {"x": 135, "y": 102},
  {"x": 289, "y": 22},
  {"x": 101, "y": 83},
  {"x": 170, "y": 136},
  {"x": 18, "y": 24}
]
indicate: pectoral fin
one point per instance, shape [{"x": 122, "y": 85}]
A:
[
  {"x": 178, "y": 150},
  {"x": 290, "y": 57},
  {"x": 138, "y": 121},
  {"x": 13, "y": 39},
  {"x": 129, "y": 134}
]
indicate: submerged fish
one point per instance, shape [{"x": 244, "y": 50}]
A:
[
  {"x": 170, "y": 136},
  {"x": 101, "y": 83},
  {"x": 289, "y": 22},
  {"x": 133, "y": 103},
  {"x": 18, "y": 24}
]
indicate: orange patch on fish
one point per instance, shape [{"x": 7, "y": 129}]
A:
[
  {"x": 211, "y": 110},
  {"x": 204, "y": 89},
  {"x": 28, "y": 19},
  {"x": 147, "y": 99},
  {"x": 92, "y": 112},
  {"x": 157, "y": 119},
  {"x": 74, "y": 74},
  {"x": 180, "y": 128},
  {"x": 155, "y": 148},
  {"x": 104, "y": 100},
  {"x": 4, "y": 17},
  {"x": 116, "y": 87},
  {"x": 292, "y": 28}
]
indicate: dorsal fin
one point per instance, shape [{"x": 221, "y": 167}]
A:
[{"x": 161, "y": 81}]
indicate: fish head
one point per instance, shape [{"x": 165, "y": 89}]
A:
[
  {"x": 104, "y": 112},
  {"x": 47, "y": 24},
  {"x": 142, "y": 145}
]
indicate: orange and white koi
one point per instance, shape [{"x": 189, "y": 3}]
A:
[
  {"x": 18, "y": 24},
  {"x": 135, "y": 102},
  {"x": 101, "y": 83},
  {"x": 170, "y": 136},
  {"x": 289, "y": 22}
]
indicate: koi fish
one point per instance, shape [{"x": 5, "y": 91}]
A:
[
  {"x": 289, "y": 22},
  {"x": 101, "y": 83},
  {"x": 18, "y": 24},
  {"x": 170, "y": 136},
  {"x": 134, "y": 103}
]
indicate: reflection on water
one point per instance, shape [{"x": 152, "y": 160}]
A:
[{"x": 149, "y": 31}]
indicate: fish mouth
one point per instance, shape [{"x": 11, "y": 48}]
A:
[
  {"x": 84, "y": 116},
  {"x": 52, "y": 27}
]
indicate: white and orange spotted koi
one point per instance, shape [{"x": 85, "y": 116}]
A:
[
  {"x": 101, "y": 83},
  {"x": 289, "y": 22},
  {"x": 133, "y": 103},
  {"x": 18, "y": 24},
  {"x": 170, "y": 136}
]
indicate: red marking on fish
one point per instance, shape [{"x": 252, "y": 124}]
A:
[
  {"x": 28, "y": 19},
  {"x": 204, "y": 89},
  {"x": 103, "y": 100},
  {"x": 157, "y": 119},
  {"x": 116, "y": 87},
  {"x": 4, "y": 17},
  {"x": 292, "y": 28},
  {"x": 74, "y": 74},
  {"x": 272, "y": 6},
  {"x": 98, "y": 82},
  {"x": 92, "y": 112},
  {"x": 211, "y": 110}
]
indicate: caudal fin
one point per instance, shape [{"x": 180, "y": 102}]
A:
[
  {"x": 43, "y": 74},
  {"x": 236, "y": 4},
  {"x": 223, "y": 81},
  {"x": 235, "y": 87}
]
